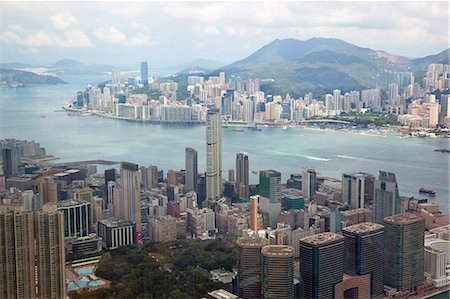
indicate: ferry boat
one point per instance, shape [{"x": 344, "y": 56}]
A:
[{"x": 427, "y": 191}]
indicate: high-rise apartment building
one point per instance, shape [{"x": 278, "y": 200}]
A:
[
  {"x": 17, "y": 255},
  {"x": 321, "y": 264},
  {"x": 50, "y": 255},
  {"x": 403, "y": 250},
  {"x": 364, "y": 250},
  {"x": 213, "y": 154},
  {"x": 129, "y": 207},
  {"x": 144, "y": 73},
  {"x": 191, "y": 170},
  {"x": 249, "y": 264},
  {"x": 387, "y": 201},
  {"x": 47, "y": 189},
  {"x": 242, "y": 175},
  {"x": 277, "y": 272},
  {"x": 309, "y": 182}
]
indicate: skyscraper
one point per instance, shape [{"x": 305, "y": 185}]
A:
[
  {"x": 403, "y": 250},
  {"x": 242, "y": 175},
  {"x": 354, "y": 189},
  {"x": 269, "y": 189},
  {"x": 364, "y": 250},
  {"x": 277, "y": 272},
  {"x": 144, "y": 73},
  {"x": 387, "y": 201},
  {"x": 47, "y": 189},
  {"x": 213, "y": 154},
  {"x": 191, "y": 170},
  {"x": 249, "y": 266},
  {"x": 321, "y": 264},
  {"x": 130, "y": 197},
  {"x": 50, "y": 258},
  {"x": 309, "y": 182},
  {"x": 17, "y": 266},
  {"x": 115, "y": 77}
]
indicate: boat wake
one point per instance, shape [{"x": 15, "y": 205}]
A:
[{"x": 350, "y": 157}]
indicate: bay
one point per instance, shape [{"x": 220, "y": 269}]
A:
[{"x": 73, "y": 138}]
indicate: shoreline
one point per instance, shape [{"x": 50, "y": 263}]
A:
[{"x": 239, "y": 124}]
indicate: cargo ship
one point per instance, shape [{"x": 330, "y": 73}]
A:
[{"x": 427, "y": 191}]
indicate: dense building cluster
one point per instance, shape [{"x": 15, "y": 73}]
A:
[{"x": 417, "y": 105}]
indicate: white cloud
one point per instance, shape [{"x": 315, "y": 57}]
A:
[
  {"x": 112, "y": 35},
  {"x": 71, "y": 38},
  {"x": 63, "y": 20}
]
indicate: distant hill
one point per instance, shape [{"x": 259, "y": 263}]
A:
[
  {"x": 200, "y": 63},
  {"x": 27, "y": 78},
  {"x": 442, "y": 57},
  {"x": 69, "y": 66},
  {"x": 66, "y": 62},
  {"x": 14, "y": 65},
  {"x": 298, "y": 66}
]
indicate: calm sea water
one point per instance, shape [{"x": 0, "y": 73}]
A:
[{"x": 74, "y": 138}]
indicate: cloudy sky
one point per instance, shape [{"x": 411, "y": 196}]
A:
[{"x": 169, "y": 33}]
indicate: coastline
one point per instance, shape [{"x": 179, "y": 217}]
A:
[{"x": 240, "y": 124}]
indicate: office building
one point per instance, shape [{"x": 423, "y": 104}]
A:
[
  {"x": 354, "y": 191},
  {"x": 191, "y": 170},
  {"x": 242, "y": 175},
  {"x": 116, "y": 232},
  {"x": 11, "y": 159},
  {"x": 213, "y": 154},
  {"x": 144, "y": 73},
  {"x": 110, "y": 176},
  {"x": 277, "y": 272},
  {"x": 50, "y": 258},
  {"x": 364, "y": 251},
  {"x": 387, "y": 201},
  {"x": 77, "y": 217},
  {"x": 269, "y": 185},
  {"x": 249, "y": 264},
  {"x": 403, "y": 251},
  {"x": 149, "y": 177},
  {"x": 129, "y": 207},
  {"x": 321, "y": 264},
  {"x": 309, "y": 182},
  {"x": 17, "y": 255}
]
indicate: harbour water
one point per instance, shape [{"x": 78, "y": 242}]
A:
[{"x": 34, "y": 113}]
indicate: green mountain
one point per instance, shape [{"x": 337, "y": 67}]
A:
[
  {"x": 22, "y": 78},
  {"x": 323, "y": 64}
]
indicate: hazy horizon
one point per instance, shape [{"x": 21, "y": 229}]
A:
[{"x": 172, "y": 33}]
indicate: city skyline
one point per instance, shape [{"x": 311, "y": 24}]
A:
[{"x": 41, "y": 34}]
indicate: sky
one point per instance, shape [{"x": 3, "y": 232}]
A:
[{"x": 169, "y": 33}]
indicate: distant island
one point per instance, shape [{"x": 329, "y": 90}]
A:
[{"x": 15, "y": 78}]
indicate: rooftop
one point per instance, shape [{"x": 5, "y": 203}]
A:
[
  {"x": 322, "y": 238},
  {"x": 116, "y": 222},
  {"x": 71, "y": 202},
  {"x": 405, "y": 218},
  {"x": 362, "y": 228},
  {"x": 249, "y": 242},
  {"x": 277, "y": 251},
  {"x": 355, "y": 211}
]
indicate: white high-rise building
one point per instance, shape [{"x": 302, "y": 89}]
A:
[
  {"x": 213, "y": 154},
  {"x": 336, "y": 99}
]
